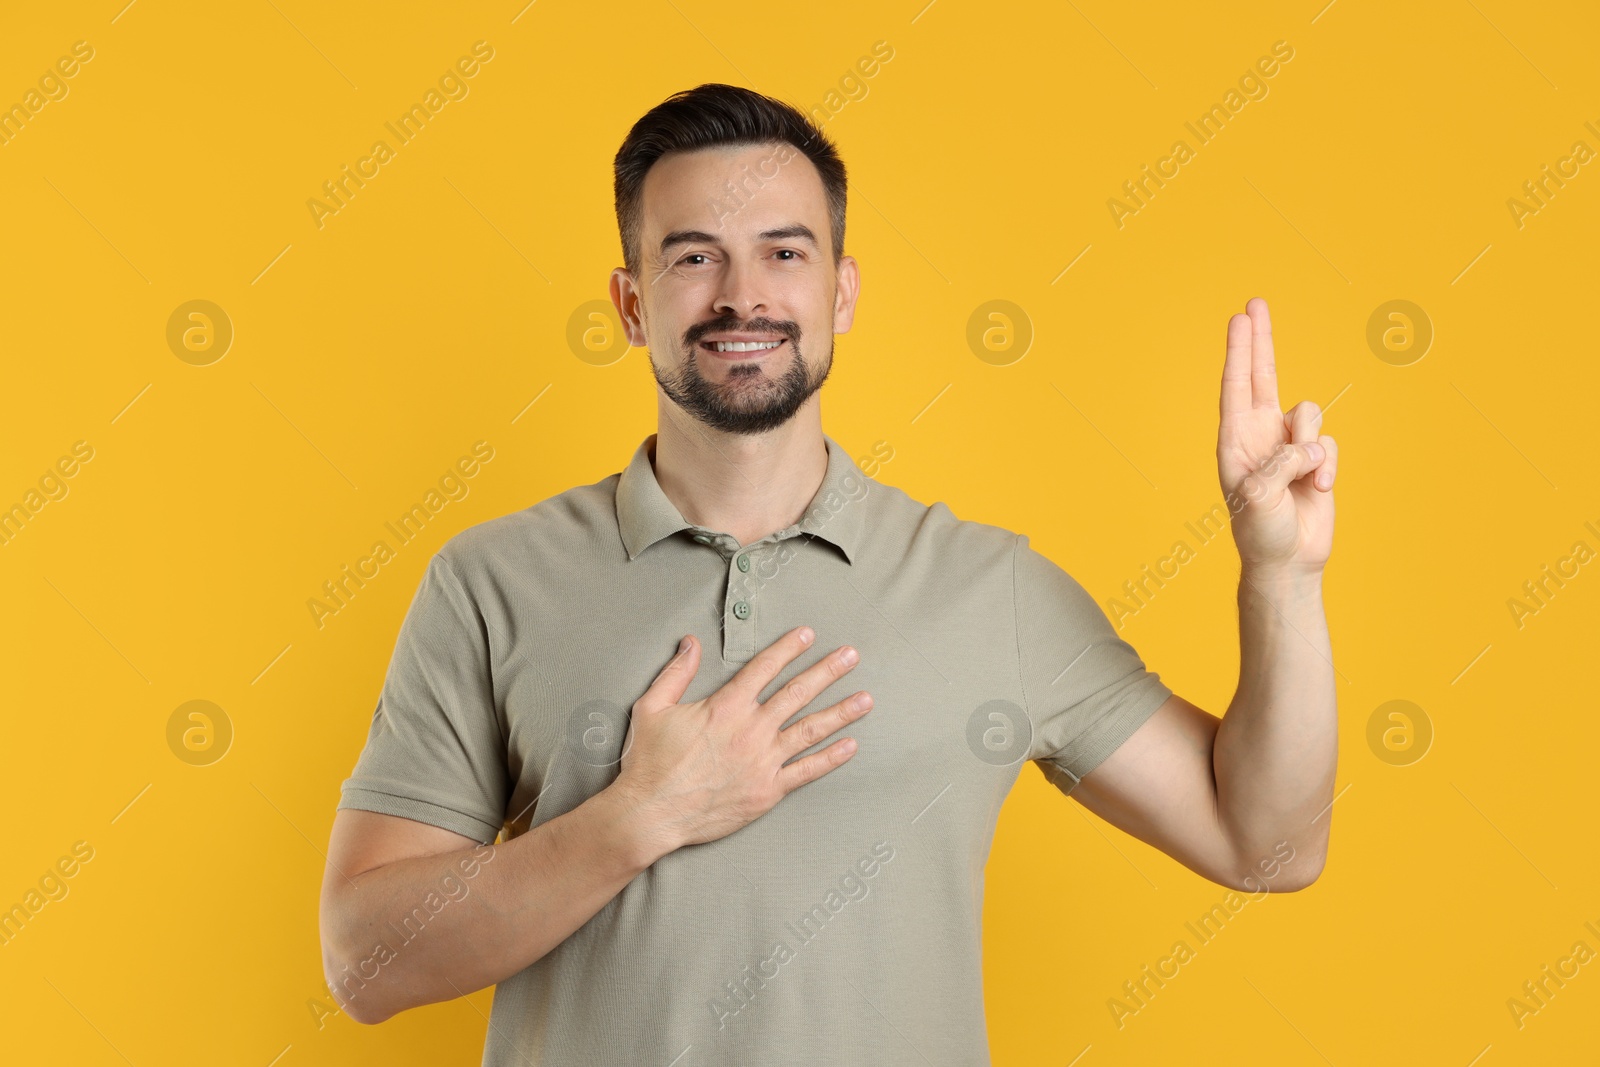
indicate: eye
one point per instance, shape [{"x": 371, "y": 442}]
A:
[
  {"x": 692, "y": 255},
  {"x": 787, "y": 251}
]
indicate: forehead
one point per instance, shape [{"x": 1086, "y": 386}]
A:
[{"x": 733, "y": 191}]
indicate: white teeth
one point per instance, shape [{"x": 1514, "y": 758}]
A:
[{"x": 743, "y": 346}]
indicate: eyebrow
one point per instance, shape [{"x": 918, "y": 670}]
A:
[{"x": 782, "y": 233}]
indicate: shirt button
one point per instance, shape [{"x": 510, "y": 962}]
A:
[
  {"x": 702, "y": 538},
  {"x": 741, "y": 610},
  {"x": 744, "y": 563}
]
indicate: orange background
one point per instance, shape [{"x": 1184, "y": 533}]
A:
[{"x": 434, "y": 310}]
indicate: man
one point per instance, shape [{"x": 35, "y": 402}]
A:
[{"x": 769, "y": 847}]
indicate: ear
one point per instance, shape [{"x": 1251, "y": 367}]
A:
[
  {"x": 847, "y": 288},
  {"x": 627, "y": 299}
]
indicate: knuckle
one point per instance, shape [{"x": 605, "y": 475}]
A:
[{"x": 806, "y": 733}]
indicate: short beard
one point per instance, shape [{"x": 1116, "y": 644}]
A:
[{"x": 781, "y": 397}]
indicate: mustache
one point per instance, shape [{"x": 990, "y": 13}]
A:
[{"x": 693, "y": 335}]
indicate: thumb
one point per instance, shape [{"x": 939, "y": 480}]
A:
[
  {"x": 1289, "y": 462},
  {"x": 669, "y": 686}
]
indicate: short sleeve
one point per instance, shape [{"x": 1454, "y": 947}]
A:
[
  {"x": 435, "y": 752},
  {"x": 1086, "y": 689}
]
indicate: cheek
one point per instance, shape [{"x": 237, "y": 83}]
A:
[
  {"x": 808, "y": 301},
  {"x": 671, "y": 309}
]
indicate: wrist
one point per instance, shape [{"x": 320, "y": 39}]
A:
[
  {"x": 1277, "y": 581},
  {"x": 641, "y": 836}
]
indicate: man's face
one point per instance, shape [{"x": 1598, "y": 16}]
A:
[{"x": 753, "y": 268}]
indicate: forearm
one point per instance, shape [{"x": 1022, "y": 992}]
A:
[
  {"x": 1276, "y": 750},
  {"x": 419, "y": 931}
]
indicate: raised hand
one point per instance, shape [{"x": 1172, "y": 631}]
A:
[{"x": 1276, "y": 469}]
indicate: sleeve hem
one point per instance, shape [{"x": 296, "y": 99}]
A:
[
  {"x": 1065, "y": 771},
  {"x": 479, "y": 829}
]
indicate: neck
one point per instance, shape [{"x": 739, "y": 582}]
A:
[{"x": 745, "y": 485}]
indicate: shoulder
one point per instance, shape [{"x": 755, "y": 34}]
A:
[
  {"x": 580, "y": 519},
  {"x": 906, "y": 525},
  {"x": 933, "y": 532}
]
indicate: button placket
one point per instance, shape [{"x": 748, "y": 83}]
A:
[
  {"x": 739, "y": 613},
  {"x": 739, "y": 595}
]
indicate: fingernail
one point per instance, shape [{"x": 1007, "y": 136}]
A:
[
  {"x": 806, "y": 634},
  {"x": 683, "y": 646}
]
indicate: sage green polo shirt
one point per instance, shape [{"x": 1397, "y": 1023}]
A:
[{"x": 843, "y": 926}]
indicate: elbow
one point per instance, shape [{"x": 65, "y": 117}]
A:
[
  {"x": 1281, "y": 869},
  {"x": 1290, "y": 880},
  {"x": 356, "y": 996},
  {"x": 351, "y": 977},
  {"x": 1300, "y": 868},
  {"x": 362, "y": 1015},
  {"x": 1287, "y": 880}
]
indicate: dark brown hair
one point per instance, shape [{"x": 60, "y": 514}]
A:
[{"x": 713, "y": 115}]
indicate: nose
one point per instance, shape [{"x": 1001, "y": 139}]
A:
[{"x": 739, "y": 294}]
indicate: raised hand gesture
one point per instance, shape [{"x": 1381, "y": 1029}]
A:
[{"x": 1276, "y": 469}]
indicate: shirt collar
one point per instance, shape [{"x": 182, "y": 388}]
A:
[{"x": 835, "y": 514}]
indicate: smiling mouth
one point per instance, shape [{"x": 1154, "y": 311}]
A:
[{"x": 741, "y": 349}]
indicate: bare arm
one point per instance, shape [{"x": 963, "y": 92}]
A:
[
  {"x": 1276, "y": 749},
  {"x": 1240, "y": 800},
  {"x": 1244, "y": 799},
  {"x": 404, "y": 923},
  {"x": 414, "y": 914}
]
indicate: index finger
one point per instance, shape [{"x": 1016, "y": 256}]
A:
[
  {"x": 1263, "y": 360},
  {"x": 1236, "y": 389},
  {"x": 764, "y": 666}
]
